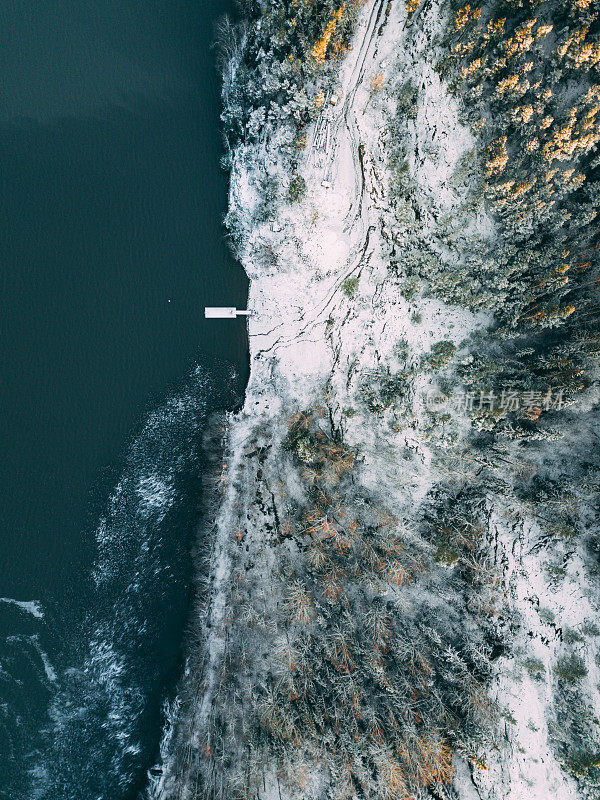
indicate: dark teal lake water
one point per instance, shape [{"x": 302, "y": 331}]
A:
[{"x": 111, "y": 243}]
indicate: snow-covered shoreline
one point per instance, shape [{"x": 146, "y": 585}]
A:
[{"x": 328, "y": 316}]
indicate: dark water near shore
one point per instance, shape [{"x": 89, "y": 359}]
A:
[{"x": 111, "y": 243}]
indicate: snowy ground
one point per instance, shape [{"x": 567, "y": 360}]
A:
[{"x": 311, "y": 338}]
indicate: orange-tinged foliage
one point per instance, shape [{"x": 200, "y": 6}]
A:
[
  {"x": 581, "y": 52},
  {"x": 429, "y": 760},
  {"x": 523, "y": 114},
  {"x": 543, "y": 30},
  {"x": 495, "y": 28},
  {"x": 319, "y": 50},
  {"x": 332, "y": 584},
  {"x": 507, "y": 84},
  {"x": 300, "y": 419},
  {"x": 575, "y": 134},
  {"x": 521, "y": 41},
  {"x": 465, "y": 15},
  {"x": 397, "y": 574},
  {"x": 392, "y": 778},
  {"x": 376, "y": 83},
  {"x": 497, "y": 157},
  {"x": 300, "y": 142},
  {"x": 471, "y": 69},
  {"x": 300, "y": 604}
]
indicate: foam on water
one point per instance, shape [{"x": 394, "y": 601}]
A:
[
  {"x": 48, "y": 668},
  {"x": 107, "y": 688},
  {"x": 30, "y": 606}
]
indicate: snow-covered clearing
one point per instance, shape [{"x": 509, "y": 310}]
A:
[{"x": 326, "y": 312}]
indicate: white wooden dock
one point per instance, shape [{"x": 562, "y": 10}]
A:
[{"x": 224, "y": 312}]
